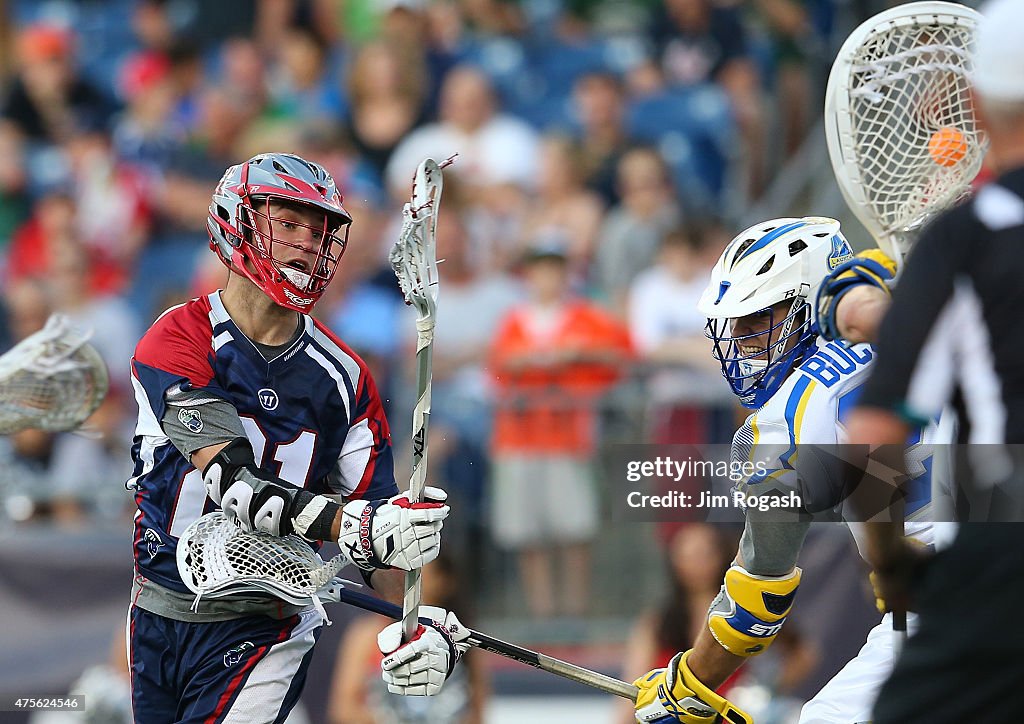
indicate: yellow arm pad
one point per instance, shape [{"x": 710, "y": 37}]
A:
[
  {"x": 674, "y": 694},
  {"x": 749, "y": 611}
]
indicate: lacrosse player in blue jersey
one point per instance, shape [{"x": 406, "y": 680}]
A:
[
  {"x": 760, "y": 320},
  {"x": 249, "y": 404}
]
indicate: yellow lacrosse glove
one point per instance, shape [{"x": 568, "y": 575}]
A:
[
  {"x": 873, "y": 267},
  {"x": 674, "y": 694}
]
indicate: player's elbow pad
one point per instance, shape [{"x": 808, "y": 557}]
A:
[
  {"x": 261, "y": 501},
  {"x": 223, "y": 469},
  {"x": 749, "y": 611}
]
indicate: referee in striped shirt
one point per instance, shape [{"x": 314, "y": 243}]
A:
[{"x": 955, "y": 334}]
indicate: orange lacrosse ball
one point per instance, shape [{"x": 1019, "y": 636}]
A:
[{"x": 947, "y": 146}]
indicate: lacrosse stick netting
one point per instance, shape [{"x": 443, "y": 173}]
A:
[
  {"x": 216, "y": 558},
  {"x": 900, "y": 78},
  {"x": 52, "y": 380},
  {"x": 414, "y": 260}
]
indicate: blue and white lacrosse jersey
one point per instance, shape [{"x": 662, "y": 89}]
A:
[
  {"x": 809, "y": 409},
  {"x": 313, "y": 416}
]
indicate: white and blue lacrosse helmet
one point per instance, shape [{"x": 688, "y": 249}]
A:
[{"x": 781, "y": 260}]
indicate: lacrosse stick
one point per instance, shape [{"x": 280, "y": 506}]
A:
[
  {"x": 216, "y": 558},
  {"x": 52, "y": 380},
  {"x": 901, "y": 133},
  {"x": 414, "y": 261}
]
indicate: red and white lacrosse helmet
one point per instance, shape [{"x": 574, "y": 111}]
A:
[{"x": 246, "y": 193}]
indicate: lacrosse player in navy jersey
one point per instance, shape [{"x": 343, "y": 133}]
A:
[{"x": 248, "y": 404}]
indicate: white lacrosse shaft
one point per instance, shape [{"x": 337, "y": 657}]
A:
[
  {"x": 414, "y": 260},
  {"x": 901, "y": 132}
]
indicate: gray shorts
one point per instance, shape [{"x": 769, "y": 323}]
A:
[{"x": 539, "y": 499}]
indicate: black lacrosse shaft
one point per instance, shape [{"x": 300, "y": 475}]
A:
[{"x": 503, "y": 648}]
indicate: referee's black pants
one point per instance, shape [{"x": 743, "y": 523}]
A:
[{"x": 966, "y": 661}]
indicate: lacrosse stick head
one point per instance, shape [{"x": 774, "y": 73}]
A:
[
  {"x": 52, "y": 380},
  {"x": 901, "y": 131},
  {"x": 414, "y": 256},
  {"x": 216, "y": 558}
]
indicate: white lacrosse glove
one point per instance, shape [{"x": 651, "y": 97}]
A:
[
  {"x": 421, "y": 666},
  {"x": 260, "y": 501},
  {"x": 394, "y": 533}
]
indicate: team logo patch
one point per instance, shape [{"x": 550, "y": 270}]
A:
[
  {"x": 191, "y": 419},
  {"x": 153, "y": 542},
  {"x": 268, "y": 398},
  {"x": 841, "y": 252},
  {"x": 236, "y": 654}
]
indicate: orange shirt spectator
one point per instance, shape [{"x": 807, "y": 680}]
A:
[{"x": 552, "y": 357}]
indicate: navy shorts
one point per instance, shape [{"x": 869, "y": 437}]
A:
[{"x": 245, "y": 670}]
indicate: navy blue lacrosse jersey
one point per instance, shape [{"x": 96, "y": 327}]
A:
[{"x": 313, "y": 416}]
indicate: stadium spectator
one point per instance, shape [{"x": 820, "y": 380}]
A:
[
  {"x": 387, "y": 92},
  {"x": 701, "y": 41},
  {"x": 48, "y": 100},
  {"x": 364, "y": 303},
  {"x": 302, "y": 84},
  {"x": 562, "y": 207},
  {"x": 794, "y": 45},
  {"x": 552, "y": 357},
  {"x": 495, "y": 150},
  {"x": 245, "y": 74},
  {"x": 113, "y": 205},
  {"x": 100, "y": 203},
  {"x": 148, "y": 134},
  {"x": 187, "y": 76},
  {"x": 632, "y": 231},
  {"x": 52, "y": 223},
  {"x": 685, "y": 398},
  {"x": 462, "y": 389},
  {"x": 153, "y": 26},
  {"x": 600, "y": 107},
  {"x": 182, "y": 200},
  {"x": 25, "y": 456}
]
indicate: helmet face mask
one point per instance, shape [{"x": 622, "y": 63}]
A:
[
  {"x": 278, "y": 221},
  {"x": 755, "y": 363},
  {"x": 757, "y": 301},
  {"x": 308, "y": 269}
]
